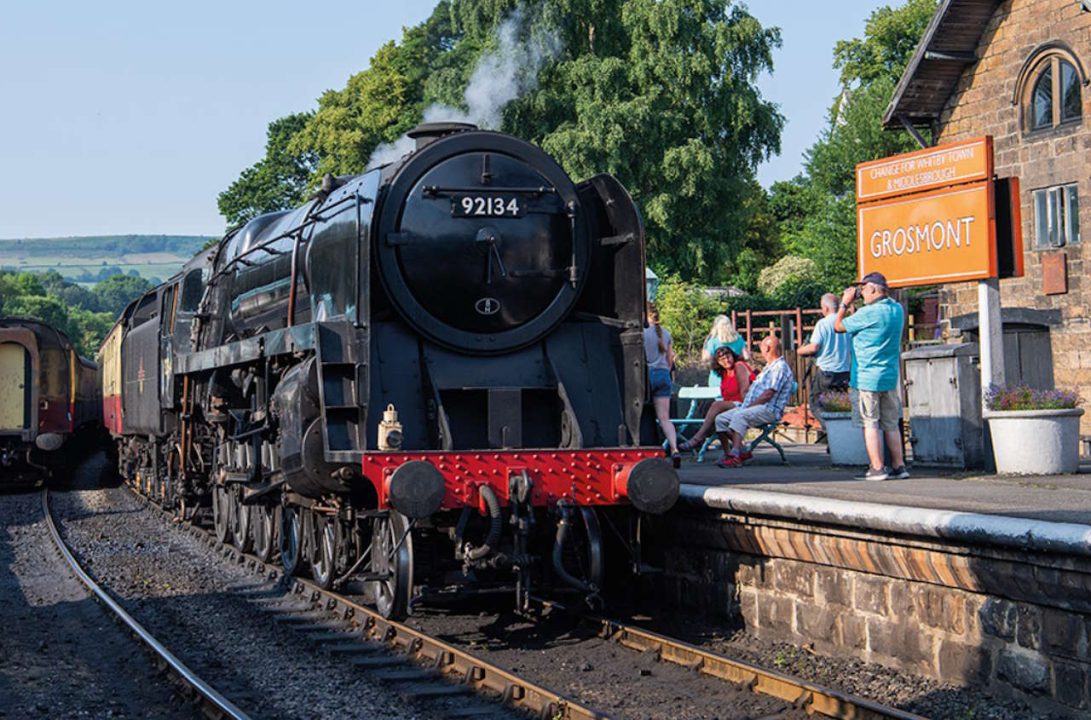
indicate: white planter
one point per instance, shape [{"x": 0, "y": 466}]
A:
[
  {"x": 1035, "y": 442},
  {"x": 846, "y": 442}
]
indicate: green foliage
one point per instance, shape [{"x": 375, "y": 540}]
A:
[
  {"x": 660, "y": 93},
  {"x": 665, "y": 99},
  {"x": 103, "y": 245},
  {"x": 84, "y": 316},
  {"x": 816, "y": 211},
  {"x": 114, "y": 293},
  {"x": 687, "y": 311},
  {"x": 787, "y": 269},
  {"x": 278, "y": 180}
]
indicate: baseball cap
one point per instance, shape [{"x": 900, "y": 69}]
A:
[{"x": 874, "y": 277}]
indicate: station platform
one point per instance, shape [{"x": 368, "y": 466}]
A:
[
  {"x": 1042, "y": 513},
  {"x": 956, "y": 576}
]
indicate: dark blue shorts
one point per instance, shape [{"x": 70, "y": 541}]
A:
[{"x": 660, "y": 381}]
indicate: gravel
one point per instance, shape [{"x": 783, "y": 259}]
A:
[
  {"x": 173, "y": 582},
  {"x": 894, "y": 688},
  {"x": 61, "y": 654},
  {"x": 182, "y": 591},
  {"x": 569, "y": 658}
]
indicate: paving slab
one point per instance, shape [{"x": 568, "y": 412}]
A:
[{"x": 1055, "y": 498}]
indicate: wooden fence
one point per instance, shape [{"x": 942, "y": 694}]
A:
[{"x": 794, "y": 327}]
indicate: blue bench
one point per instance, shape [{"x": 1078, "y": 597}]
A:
[{"x": 696, "y": 395}]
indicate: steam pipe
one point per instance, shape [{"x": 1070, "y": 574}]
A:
[
  {"x": 496, "y": 523},
  {"x": 558, "y": 549}
]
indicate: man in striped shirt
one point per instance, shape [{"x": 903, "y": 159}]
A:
[{"x": 764, "y": 403}]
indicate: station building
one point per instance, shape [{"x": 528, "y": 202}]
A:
[{"x": 1018, "y": 70}]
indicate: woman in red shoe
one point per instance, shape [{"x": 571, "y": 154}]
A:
[{"x": 735, "y": 378}]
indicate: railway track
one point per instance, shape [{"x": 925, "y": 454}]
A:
[
  {"x": 190, "y": 685},
  {"x": 311, "y": 609}
]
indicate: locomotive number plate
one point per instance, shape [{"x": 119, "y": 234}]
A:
[{"x": 486, "y": 206}]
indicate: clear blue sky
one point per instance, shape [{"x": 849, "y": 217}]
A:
[{"x": 130, "y": 117}]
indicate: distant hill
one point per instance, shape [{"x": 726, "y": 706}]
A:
[{"x": 93, "y": 258}]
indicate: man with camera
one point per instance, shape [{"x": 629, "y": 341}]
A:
[{"x": 876, "y": 332}]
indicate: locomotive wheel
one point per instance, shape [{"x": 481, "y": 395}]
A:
[
  {"x": 587, "y": 547},
  {"x": 324, "y": 549},
  {"x": 392, "y": 564},
  {"x": 240, "y": 520},
  {"x": 261, "y": 529},
  {"x": 290, "y": 539},
  {"x": 220, "y": 517}
]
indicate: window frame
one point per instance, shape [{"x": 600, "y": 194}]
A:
[
  {"x": 1050, "y": 59},
  {"x": 1053, "y": 217}
]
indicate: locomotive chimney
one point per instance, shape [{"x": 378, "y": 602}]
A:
[{"x": 427, "y": 132}]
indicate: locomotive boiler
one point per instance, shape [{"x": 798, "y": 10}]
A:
[
  {"x": 429, "y": 378},
  {"x": 48, "y": 395}
]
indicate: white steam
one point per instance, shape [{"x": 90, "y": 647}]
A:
[{"x": 501, "y": 75}]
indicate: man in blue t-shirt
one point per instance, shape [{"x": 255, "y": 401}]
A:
[
  {"x": 832, "y": 354},
  {"x": 876, "y": 332}
]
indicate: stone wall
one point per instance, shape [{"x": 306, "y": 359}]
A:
[
  {"x": 983, "y": 104},
  {"x": 1017, "y": 623}
]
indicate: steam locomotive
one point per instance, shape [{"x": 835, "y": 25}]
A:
[
  {"x": 48, "y": 396},
  {"x": 428, "y": 379}
]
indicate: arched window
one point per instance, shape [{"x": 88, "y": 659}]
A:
[{"x": 1049, "y": 87}]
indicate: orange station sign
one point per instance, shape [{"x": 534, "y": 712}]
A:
[{"x": 928, "y": 217}]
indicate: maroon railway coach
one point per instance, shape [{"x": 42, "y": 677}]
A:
[{"x": 48, "y": 396}]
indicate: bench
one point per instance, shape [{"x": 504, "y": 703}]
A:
[{"x": 696, "y": 395}]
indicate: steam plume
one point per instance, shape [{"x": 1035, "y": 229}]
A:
[{"x": 501, "y": 75}]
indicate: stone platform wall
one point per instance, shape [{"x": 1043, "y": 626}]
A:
[{"x": 1018, "y": 623}]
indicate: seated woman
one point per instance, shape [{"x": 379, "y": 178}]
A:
[
  {"x": 722, "y": 333},
  {"x": 735, "y": 378}
]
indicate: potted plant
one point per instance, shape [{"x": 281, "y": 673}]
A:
[
  {"x": 845, "y": 441},
  {"x": 1034, "y": 432}
]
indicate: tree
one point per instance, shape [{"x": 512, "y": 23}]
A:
[
  {"x": 664, "y": 98},
  {"x": 277, "y": 181},
  {"x": 661, "y": 93},
  {"x": 816, "y": 211},
  {"x": 116, "y": 292}
]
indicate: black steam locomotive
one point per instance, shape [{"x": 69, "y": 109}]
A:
[{"x": 429, "y": 378}]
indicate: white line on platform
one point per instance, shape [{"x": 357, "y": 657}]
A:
[{"x": 967, "y": 527}]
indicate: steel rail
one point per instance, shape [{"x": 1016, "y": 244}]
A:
[
  {"x": 477, "y": 673},
  {"x": 812, "y": 697},
  {"x": 214, "y": 701}
]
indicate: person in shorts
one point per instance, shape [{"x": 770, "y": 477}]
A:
[
  {"x": 764, "y": 403},
  {"x": 876, "y": 332},
  {"x": 660, "y": 356},
  {"x": 832, "y": 353}
]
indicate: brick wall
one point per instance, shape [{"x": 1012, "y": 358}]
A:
[
  {"x": 1018, "y": 623},
  {"x": 982, "y": 105}
]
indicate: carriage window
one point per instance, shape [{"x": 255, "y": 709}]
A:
[
  {"x": 146, "y": 310},
  {"x": 192, "y": 289},
  {"x": 167, "y": 308}
]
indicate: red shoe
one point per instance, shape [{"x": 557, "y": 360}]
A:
[
  {"x": 746, "y": 456},
  {"x": 729, "y": 461}
]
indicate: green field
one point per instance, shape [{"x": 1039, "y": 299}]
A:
[{"x": 86, "y": 260}]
